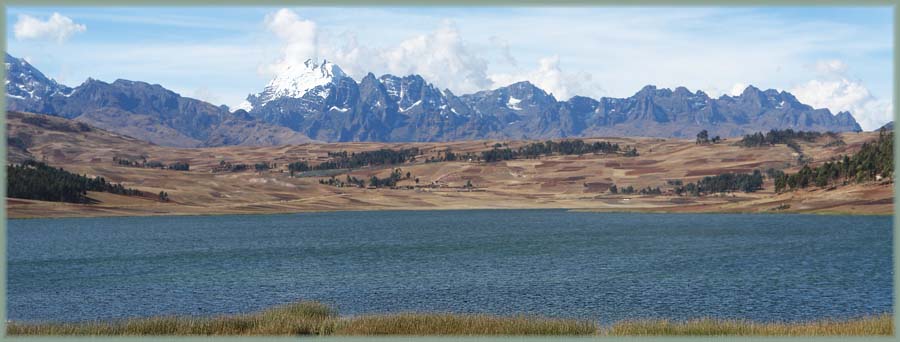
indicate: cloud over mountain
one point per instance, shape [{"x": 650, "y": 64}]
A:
[
  {"x": 57, "y": 27},
  {"x": 836, "y": 90}
]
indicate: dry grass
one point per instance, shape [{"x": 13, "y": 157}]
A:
[
  {"x": 563, "y": 182},
  {"x": 311, "y": 318},
  {"x": 882, "y": 325},
  {"x": 451, "y": 324},
  {"x": 304, "y": 318}
]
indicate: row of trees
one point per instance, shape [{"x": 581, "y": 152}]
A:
[
  {"x": 786, "y": 136},
  {"x": 385, "y": 156},
  {"x": 39, "y": 181},
  {"x": 448, "y": 155},
  {"x": 350, "y": 181},
  {"x": 726, "y": 182},
  {"x": 390, "y": 181},
  {"x": 345, "y": 160},
  {"x": 628, "y": 190},
  {"x": 226, "y": 166},
  {"x": 374, "y": 181},
  {"x": 703, "y": 138},
  {"x": 565, "y": 147},
  {"x": 873, "y": 161},
  {"x": 151, "y": 164}
]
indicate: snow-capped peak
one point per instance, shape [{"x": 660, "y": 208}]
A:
[
  {"x": 297, "y": 80},
  {"x": 25, "y": 82}
]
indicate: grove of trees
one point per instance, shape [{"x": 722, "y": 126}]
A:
[
  {"x": 39, "y": 181},
  {"x": 565, "y": 147},
  {"x": 151, "y": 164},
  {"x": 786, "y": 136},
  {"x": 703, "y": 138},
  {"x": 874, "y": 160}
]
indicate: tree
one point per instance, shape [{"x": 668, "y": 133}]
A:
[
  {"x": 613, "y": 189},
  {"x": 703, "y": 137},
  {"x": 632, "y": 153},
  {"x": 180, "y": 166}
]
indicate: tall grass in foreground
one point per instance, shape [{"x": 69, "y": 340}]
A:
[
  {"x": 866, "y": 326},
  {"x": 311, "y": 318}
]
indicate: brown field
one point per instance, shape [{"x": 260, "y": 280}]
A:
[{"x": 571, "y": 182}]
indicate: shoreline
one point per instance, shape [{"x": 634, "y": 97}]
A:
[
  {"x": 570, "y": 209},
  {"x": 316, "y": 319}
]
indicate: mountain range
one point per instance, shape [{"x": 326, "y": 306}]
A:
[{"x": 319, "y": 102}]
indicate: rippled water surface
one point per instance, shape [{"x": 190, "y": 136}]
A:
[{"x": 548, "y": 262}]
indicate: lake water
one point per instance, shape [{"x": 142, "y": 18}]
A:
[{"x": 599, "y": 266}]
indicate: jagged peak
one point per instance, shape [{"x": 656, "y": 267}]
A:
[
  {"x": 370, "y": 77},
  {"x": 522, "y": 84},
  {"x": 750, "y": 91},
  {"x": 296, "y": 80},
  {"x": 648, "y": 90}
]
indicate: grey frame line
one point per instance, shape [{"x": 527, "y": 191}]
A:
[{"x": 445, "y": 3}]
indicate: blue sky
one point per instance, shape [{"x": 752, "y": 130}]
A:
[{"x": 838, "y": 58}]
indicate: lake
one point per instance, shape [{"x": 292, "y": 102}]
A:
[{"x": 603, "y": 266}]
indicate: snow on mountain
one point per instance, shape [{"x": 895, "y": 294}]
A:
[
  {"x": 24, "y": 82},
  {"x": 246, "y": 106},
  {"x": 513, "y": 103},
  {"x": 295, "y": 81}
]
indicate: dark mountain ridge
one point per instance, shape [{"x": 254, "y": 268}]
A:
[
  {"x": 320, "y": 102},
  {"x": 142, "y": 110}
]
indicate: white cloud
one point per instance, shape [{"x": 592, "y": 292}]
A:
[
  {"x": 503, "y": 45},
  {"x": 57, "y": 27},
  {"x": 298, "y": 37},
  {"x": 609, "y": 47},
  {"x": 737, "y": 89},
  {"x": 838, "y": 92},
  {"x": 831, "y": 66},
  {"x": 440, "y": 57},
  {"x": 551, "y": 78}
]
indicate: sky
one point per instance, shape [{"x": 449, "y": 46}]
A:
[{"x": 838, "y": 58}]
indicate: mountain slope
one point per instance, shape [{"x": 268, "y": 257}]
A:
[
  {"x": 141, "y": 110},
  {"x": 319, "y": 101},
  {"x": 27, "y": 88},
  {"x": 411, "y": 109}
]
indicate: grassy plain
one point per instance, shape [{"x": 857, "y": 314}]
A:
[{"x": 570, "y": 182}]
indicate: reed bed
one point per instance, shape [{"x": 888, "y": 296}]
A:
[
  {"x": 312, "y": 318},
  {"x": 881, "y": 325},
  {"x": 454, "y": 324}
]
